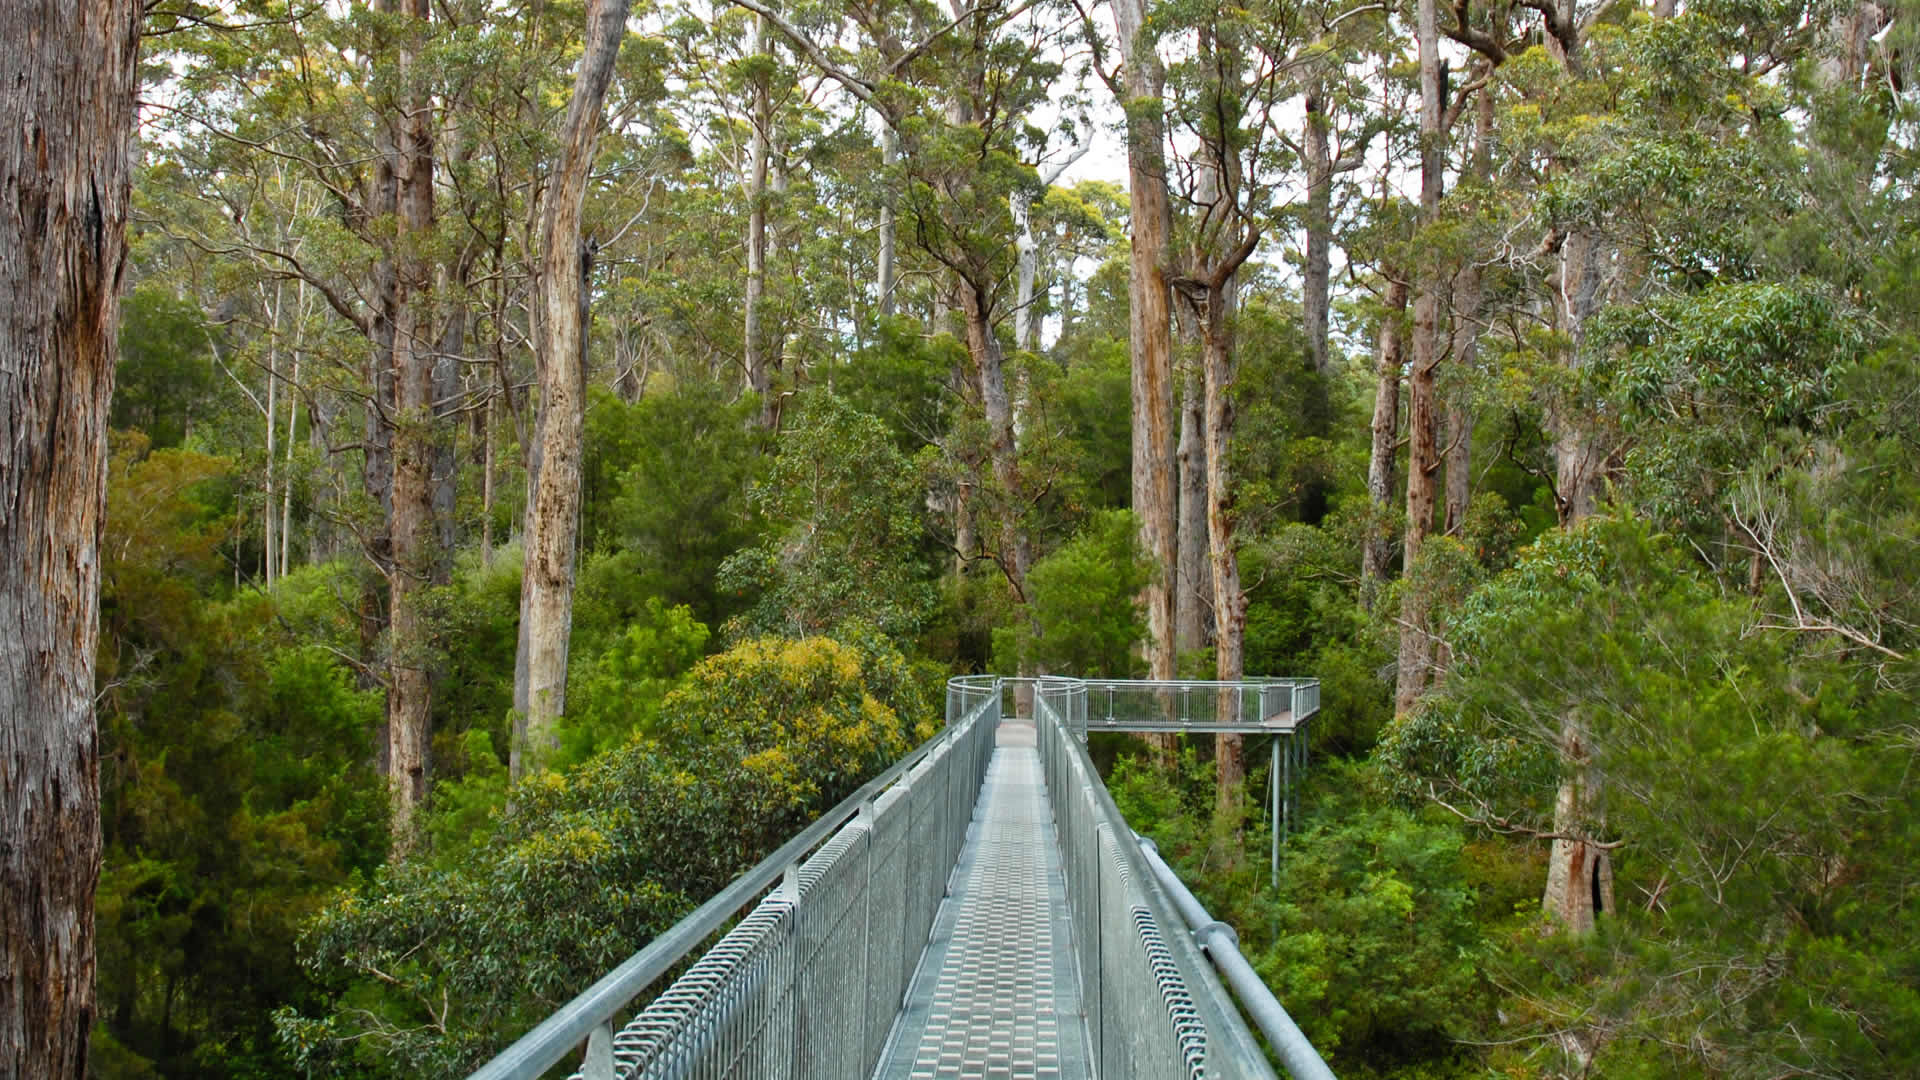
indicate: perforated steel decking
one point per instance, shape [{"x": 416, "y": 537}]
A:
[{"x": 997, "y": 995}]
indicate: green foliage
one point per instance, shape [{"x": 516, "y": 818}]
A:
[
  {"x": 1708, "y": 375},
  {"x": 685, "y": 461},
  {"x": 596, "y": 860},
  {"x": 619, "y": 690},
  {"x": 1083, "y": 615},
  {"x": 841, "y": 503},
  {"x": 165, "y": 379},
  {"x": 476, "y": 620},
  {"x": 236, "y": 786},
  {"x": 1372, "y": 941},
  {"x": 1742, "y": 774},
  {"x": 901, "y": 378}
]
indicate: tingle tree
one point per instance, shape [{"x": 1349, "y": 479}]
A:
[{"x": 67, "y": 120}]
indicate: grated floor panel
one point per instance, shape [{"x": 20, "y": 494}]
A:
[{"x": 996, "y": 994}]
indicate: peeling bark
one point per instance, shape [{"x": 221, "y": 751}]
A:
[
  {"x": 1150, "y": 329},
  {"x": 409, "y": 679},
  {"x": 65, "y": 124},
  {"x": 1423, "y": 456},
  {"x": 554, "y": 515},
  {"x": 1192, "y": 606}
]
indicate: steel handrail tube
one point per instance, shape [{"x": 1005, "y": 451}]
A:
[
  {"x": 1222, "y": 946},
  {"x": 559, "y": 1034},
  {"x": 1231, "y": 1047}
]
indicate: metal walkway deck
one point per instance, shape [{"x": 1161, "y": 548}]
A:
[{"x": 996, "y": 994}]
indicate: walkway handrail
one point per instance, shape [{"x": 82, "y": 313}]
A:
[
  {"x": 590, "y": 1016},
  {"x": 1265, "y": 705},
  {"x": 1154, "y": 1007},
  {"x": 1222, "y": 946}
]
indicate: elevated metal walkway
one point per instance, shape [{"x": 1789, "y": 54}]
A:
[
  {"x": 980, "y": 909},
  {"x": 997, "y": 993}
]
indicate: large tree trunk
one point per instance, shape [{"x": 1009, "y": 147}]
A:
[
  {"x": 759, "y": 378},
  {"x": 886, "y": 271},
  {"x": 1580, "y": 449},
  {"x": 1468, "y": 295},
  {"x": 989, "y": 376},
  {"x": 1579, "y": 870},
  {"x": 1388, "y": 360},
  {"x": 1194, "y": 580},
  {"x": 445, "y": 464},
  {"x": 1026, "y": 320},
  {"x": 409, "y": 681},
  {"x": 1315, "y": 281},
  {"x": 1229, "y": 601},
  {"x": 65, "y": 126},
  {"x": 1423, "y": 460},
  {"x": 1150, "y": 329},
  {"x": 554, "y": 525},
  {"x": 376, "y": 459}
]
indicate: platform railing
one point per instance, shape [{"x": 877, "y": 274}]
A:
[
  {"x": 1154, "y": 1007},
  {"x": 807, "y": 983},
  {"x": 1248, "y": 706}
]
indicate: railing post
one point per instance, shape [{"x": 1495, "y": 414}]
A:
[
  {"x": 1286, "y": 777},
  {"x": 1273, "y": 814},
  {"x": 796, "y": 1014},
  {"x": 598, "y": 1064}
]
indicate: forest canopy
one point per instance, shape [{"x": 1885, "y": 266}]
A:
[{"x": 558, "y": 449}]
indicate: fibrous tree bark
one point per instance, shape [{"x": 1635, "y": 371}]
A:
[
  {"x": 414, "y": 536},
  {"x": 1212, "y": 309},
  {"x": 1423, "y": 453},
  {"x": 1579, "y": 868},
  {"x": 1469, "y": 291},
  {"x": 65, "y": 128},
  {"x": 1389, "y": 358},
  {"x": 1222, "y": 237},
  {"x": 1193, "y": 597},
  {"x": 753, "y": 343},
  {"x": 1150, "y": 325},
  {"x": 554, "y": 517}
]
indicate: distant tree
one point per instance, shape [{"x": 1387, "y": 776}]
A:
[
  {"x": 842, "y": 507},
  {"x": 1084, "y": 606}
]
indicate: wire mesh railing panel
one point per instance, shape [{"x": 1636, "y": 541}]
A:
[
  {"x": 1152, "y": 1027},
  {"x": 925, "y": 802},
  {"x": 1185, "y": 1054},
  {"x": 1250, "y": 705},
  {"x": 1146, "y": 1015},
  {"x": 807, "y": 984},
  {"x": 886, "y": 942},
  {"x": 729, "y": 1016},
  {"x": 830, "y": 926}
]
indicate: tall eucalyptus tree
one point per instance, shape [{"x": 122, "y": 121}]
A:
[{"x": 64, "y": 172}]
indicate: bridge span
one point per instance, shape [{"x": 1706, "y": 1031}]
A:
[{"x": 980, "y": 909}]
